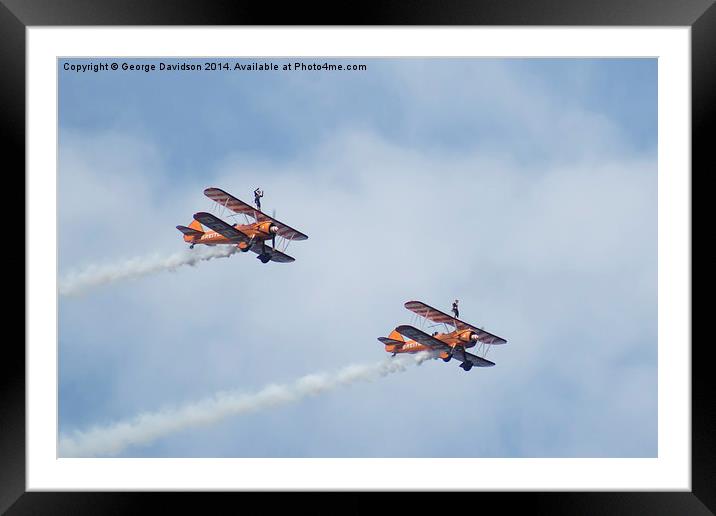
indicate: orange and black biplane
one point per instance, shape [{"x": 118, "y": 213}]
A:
[
  {"x": 251, "y": 236},
  {"x": 453, "y": 343}
]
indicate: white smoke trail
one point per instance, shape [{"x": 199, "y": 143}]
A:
[
  {"x": 96, "y": 275},
  {"x": 111, "y": 440}
]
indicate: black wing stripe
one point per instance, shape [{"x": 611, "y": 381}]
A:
[
  {"x": 421, "y": 337},
  {"x": 221, "y": 227}
]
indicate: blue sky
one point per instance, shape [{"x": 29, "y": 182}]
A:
[{"x": 525, "y": 187}]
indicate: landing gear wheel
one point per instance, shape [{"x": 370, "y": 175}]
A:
[
  {"x": 447, "y": 359},
  {"x": 265, "y": 258},
  {"x": 191, "y": 246},
  {"x": 466, "y": 366},
  {"x": 247, "y": 246}
]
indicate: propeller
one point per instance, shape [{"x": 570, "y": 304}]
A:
[{"x": 273, "y": 230}]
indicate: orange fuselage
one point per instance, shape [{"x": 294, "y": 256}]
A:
[
  {"x": 452, "y": 339},
  {"x": 258, "y": 231}
]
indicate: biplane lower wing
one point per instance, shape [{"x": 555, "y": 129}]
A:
[
  {"x": 436, "y": 316},
  {"x": 275, "y": 254},
  {"x": 422, "y": 338},
  {"x": 464, "y": 356},
  {"x": 221, "y": 227},
  {"x": 438, "y": 345},
  {"x": 238, "y": 206},
  {"x": 189, "y": 232}
]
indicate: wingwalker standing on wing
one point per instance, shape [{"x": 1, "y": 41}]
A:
[
  {"x": 258, "y": 193},
  {"x": 251, "y": 236},
  {"x": 451, "y": 344}
]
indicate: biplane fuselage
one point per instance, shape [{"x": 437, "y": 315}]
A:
[
  {"x": 448, "y": 345},
  {"x": 258, "y": 231},
  {"x": 454, "y": 338},
  {"x": 411, "y": 347}
]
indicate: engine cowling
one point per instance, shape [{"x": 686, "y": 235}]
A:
[
  {"x": 268, "y": 228},
  {"x": 468, "y": 337}
]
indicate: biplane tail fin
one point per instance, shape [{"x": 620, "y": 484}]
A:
[
  {"x": 393, "y": 342},
  {"x": 193, "y": 231},
  {"x": 196, "y": 225},
  {"x": 394, "y": 335}
]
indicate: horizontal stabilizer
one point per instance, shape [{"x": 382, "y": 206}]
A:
[
  {"x": 389, "y": 342},
  {"x": 189, "y": 232}
]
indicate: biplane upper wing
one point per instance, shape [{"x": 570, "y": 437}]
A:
[
  {"x": 421, "y": 337},
  {"x": 229, "y": 201},
  {"x": 464, "y": 356},
  {"x": 436, "y": 316},
  {"x": 221, "y": 227},
  {"x": 276, "y": 255}
]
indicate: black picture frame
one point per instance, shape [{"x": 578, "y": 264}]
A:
[{"x": 16, "y": 15}]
